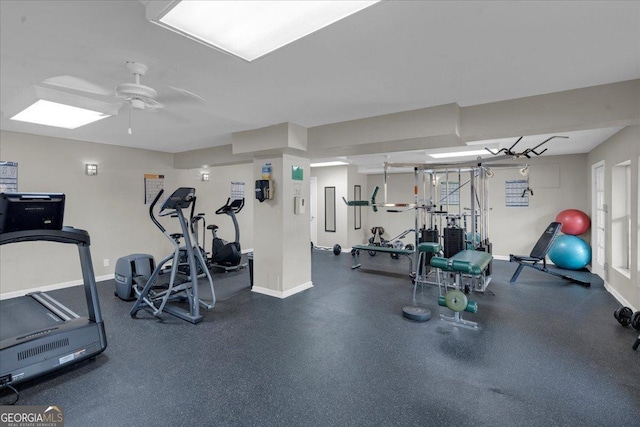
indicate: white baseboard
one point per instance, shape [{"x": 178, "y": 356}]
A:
[
  {"x": 47, "y": 288},
  {"x": 622, "y": 300},
  {"x": 280, "y": 294}
]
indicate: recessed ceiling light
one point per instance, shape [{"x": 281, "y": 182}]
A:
[
  {"x": 249, "y": 29},
  {"x": 49, "y": 113},
  {"x": 323, "y": 164},
  {"x": 52, "y": 107},
  {"x": 459, "y": 154}
]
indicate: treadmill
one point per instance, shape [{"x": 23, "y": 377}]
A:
[{"x": 38, "y": 334}]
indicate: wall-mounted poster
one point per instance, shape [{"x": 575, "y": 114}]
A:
[
  {"x": 152, "y": 186},
  {"x": 516, "y": 194},
  {"x": 8, "y": 177}
]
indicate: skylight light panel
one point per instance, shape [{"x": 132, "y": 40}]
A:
[{"x": 251, "y": 29}]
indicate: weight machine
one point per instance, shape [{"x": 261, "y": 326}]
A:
[{"x": 470, "y": 226}]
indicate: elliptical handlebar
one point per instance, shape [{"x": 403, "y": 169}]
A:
[
  {"x": 234, "y": 206},
  {"x": 179, "y": 199},
  {"x": 153, "y": 217}
]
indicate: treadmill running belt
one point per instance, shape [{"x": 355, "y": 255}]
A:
[{"x": 22, "y": 315}]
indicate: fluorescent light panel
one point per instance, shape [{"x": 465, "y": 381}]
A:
[
  {"x": 323, "y": 164},
  {"x": 459, "y": 154},
  {"x": 251, "y": 29},
  {"x": 50, "y": 113}
]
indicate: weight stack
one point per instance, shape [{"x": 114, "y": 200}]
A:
[
  {"x": 453, "y": 241},
  {"x": 429, "y": 235},
  {"x": 487, "y": 247}
]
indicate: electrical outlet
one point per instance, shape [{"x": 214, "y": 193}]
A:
[{"x": 105, "y": 262}]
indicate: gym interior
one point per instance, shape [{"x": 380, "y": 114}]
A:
[{"x": 532, "y": 111}]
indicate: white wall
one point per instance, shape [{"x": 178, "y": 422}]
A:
[
  {"x": 558, "y": 183},
  {"x": 333, "y": 176},
  {"x": 213, "y": 194},
  {"x": 110, "y": 205},
  {"x": 621, "y": 147},
  {"x": 357, "y": 237}
]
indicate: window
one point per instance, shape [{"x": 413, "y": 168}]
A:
[{"x": 621, "y": 217}]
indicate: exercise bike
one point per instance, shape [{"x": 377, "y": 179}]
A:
[{"x": 227, "y": 255}]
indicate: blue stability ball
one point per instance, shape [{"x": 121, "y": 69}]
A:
[{"x": 570, "y": 252}]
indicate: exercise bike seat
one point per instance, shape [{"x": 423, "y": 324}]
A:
[
  {"x": 212, "y": 227},
  {"x": 176, "y": 236}
]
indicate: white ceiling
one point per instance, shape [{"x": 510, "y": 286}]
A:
[{"x": 395, "y": 56}]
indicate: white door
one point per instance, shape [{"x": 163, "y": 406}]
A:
[
  {"x": 313, "y": 208},
  {"x": 598, "y": 220}
]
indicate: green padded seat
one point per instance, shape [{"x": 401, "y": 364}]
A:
[
  {"x": 441, "y": 263},
  {"x": 467, "y": 261},
  {"x": 430, "y": 247}
]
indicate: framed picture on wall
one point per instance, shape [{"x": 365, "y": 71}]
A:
[
  {"x": 357, "y": 217},
  {"x": 330, "y": 209}
]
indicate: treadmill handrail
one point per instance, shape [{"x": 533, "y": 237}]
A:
[
  {"x": 66, "y": 235},
  {"x": 73, "y": 236}
]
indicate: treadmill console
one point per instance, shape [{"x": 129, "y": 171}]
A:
[{"x": 31, "y": 211}]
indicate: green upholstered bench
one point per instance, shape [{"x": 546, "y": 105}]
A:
[{"x": 467, "y": 262}]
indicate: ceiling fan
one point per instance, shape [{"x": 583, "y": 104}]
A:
[
  {"x": 137, "y": 95},
  {"x": 134, "y": 94}
]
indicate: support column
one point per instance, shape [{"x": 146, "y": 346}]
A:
[{"x": 281, "y": 239}]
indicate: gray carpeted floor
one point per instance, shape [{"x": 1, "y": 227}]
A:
[{"x": 547, "y": 353}]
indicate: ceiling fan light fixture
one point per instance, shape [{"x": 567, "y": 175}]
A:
[
  {"x": 249, "y": 29},
  {"x": 137, "y": 104}
]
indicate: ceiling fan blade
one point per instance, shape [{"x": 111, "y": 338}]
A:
[
  {"x": 188, "y": 94},
  {"x": 76, "y": 83}
]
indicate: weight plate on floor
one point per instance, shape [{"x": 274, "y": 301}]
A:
[
  {"x": 456, "y": 300},
  {"x": 635, "y": 321},
  {"x": 623, "y": 315},
  {"x": 418, "y": 314}
]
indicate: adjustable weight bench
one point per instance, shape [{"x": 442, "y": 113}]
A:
[{"x": 538, "y": 254}]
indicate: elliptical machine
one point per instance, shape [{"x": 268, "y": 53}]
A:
[
  {"x": 227, "y": 255},
  {"x": 136, "y": 275}
]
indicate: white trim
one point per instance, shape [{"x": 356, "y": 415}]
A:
[
  {"x": 47, "y": 288},
  {"x": 594, "y": 242},
  {"x": 623, "y": 271},
  {"x": 622, "y": 300},
  {"x": 280, "y": 294}
]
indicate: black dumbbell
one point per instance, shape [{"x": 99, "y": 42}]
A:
[
  {"x": 635, "y": 321},
  {"x": 623, "y": 315}
]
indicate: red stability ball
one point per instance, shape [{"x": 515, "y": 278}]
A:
[{"x": 574, "y": 222}]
